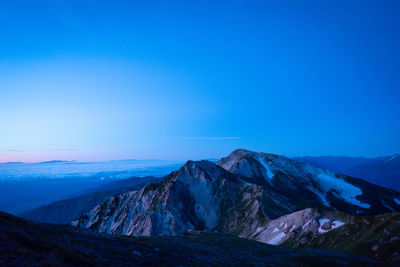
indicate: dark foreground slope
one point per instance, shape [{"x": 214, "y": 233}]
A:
[{"x": 25, "y": 243}]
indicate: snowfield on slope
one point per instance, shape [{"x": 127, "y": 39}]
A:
[
  {"x": 277, "y": 239},
  {"x": 347, "y": 192},
  {"x": 269, "y": 173}
]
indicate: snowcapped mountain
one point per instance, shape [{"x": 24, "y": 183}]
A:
[
  {"x": 240, "y": 194},
  {"x": 309, "y": 183}
]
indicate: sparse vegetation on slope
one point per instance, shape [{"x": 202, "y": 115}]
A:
[{"x": 25, "y": 243}]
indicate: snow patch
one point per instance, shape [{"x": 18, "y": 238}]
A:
[
  {"x": 396, "y": 201},
  {"x": 261, "y": 160},
  {"x": 307, "y": 223},
  {"x": 335, "y": 224},
  {"x": 137, "y": 253},
  {"x": 278, "y": 238},
  {"x": 259, "y": 229},
  {"x": 322, "y": 222},
  {"x": 346, "y": 191},
  {"x": 390, "y": 208},
  {"x": 321, "y": 195},
  {"x": 391, "y": 158}
]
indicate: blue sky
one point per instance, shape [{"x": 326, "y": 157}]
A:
[{"x": 99, "y": 80}]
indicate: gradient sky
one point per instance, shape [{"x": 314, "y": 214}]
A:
[{"x": 99, "y": 80}]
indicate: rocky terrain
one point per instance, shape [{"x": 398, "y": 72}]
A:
[
  {"x": 377, "y": 236},
  {"x": 26, "y": 243}
]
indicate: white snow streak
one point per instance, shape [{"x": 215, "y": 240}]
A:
[
  {"x": 307, "y": 223},
  {"x": 276, "y": 239},
  {"x": 261, "y": 160}
]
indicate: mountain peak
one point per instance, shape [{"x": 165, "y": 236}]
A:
[
  {"x": 293, "y": 178},
  {"x": 202, "y": 170},
  {"x": 249, "y": 164},
  {"x": 192, "y": 167},
  {"x": 244, "y": 152}
]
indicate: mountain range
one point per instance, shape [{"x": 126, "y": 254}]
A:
[
  {"x": 254, "y": 196},
  {"x": 257, "y": 196}
]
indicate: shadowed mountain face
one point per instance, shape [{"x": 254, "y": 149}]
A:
[
  {"x": 384, "y": 171},
  {"x": 25, "y": 243}
]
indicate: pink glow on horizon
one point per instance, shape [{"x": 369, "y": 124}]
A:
[{"x": 40, "y": 156}]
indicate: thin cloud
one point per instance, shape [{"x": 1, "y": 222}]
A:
[
  {"x": 64, "y": 150},
  {"x": 36, "y": 150},
  {"x": 209, "y": 138},
  {"x": 14, "y": 150}
]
